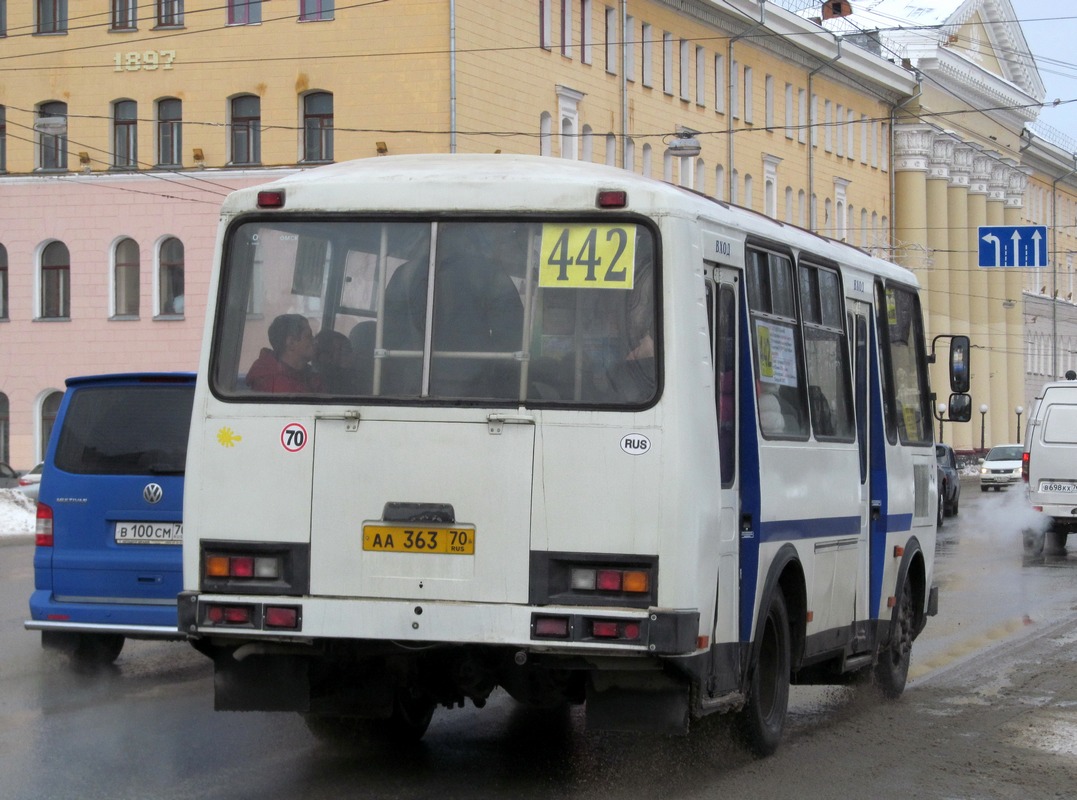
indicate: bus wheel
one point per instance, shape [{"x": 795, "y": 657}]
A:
[
  {"x": 892, "y": 668},
  {"x": 763, "y": 718},
  {"x": 96, "y": 650}
]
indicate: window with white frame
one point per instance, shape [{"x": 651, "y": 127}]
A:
[
  {"x": 684, "y": 69},
  {"x": 545, "y": 24},
  {"x": 318, "y": 127},
  {"x": 850, "y": 133},
  {"x": 545, "y": 134},
  {"x": 170, "y": 132},
  {"x": 647, "y": 162},
  {"x": 790, "y": 113},
  {"x": 814, "y": 120},
  {"x": 828, "y": 129},
  {"x": 864, "y": 128},
  {"x": 55, "y": 283},
  {"x": 611, "y": 150},
  {"x": 52, "y": 146},
  {"x": 587, "y": 33},
  {"x": 802, "y": 115},
  {"x": 3, "y": 139},
  {"x": 124, "y": 15},
  {"x": 720, "y": 79},
  {"x": 768, "y": 101},
  {"x": 749, "y": 112},
  {"x": 3, "y": 283},
  {"x": 587, "y": 141},
  {"x": 169, "y": 13},
  {"x": 701, "y": 76},
  {"x": 719, "y": 182},
  {"x": 630, "y": 49},
  {"x": 125, "y": 278},
  {"x": 770, "y": 185},
  {"x": 170, "y": 278},
  {"x": 839, "y": 130},
  {"x": 630, "y": 155},
  {"x": 125, "y": 134},
  {"x": 568, "y": 101},
  {"x": 613, "y": 40},
  {"x": 566, "y": 28},
  {"x": 246, "y": 129},
  {"x": 734, "y": 94},
  {"x": 667, "y": 63},
  {"x": 647, "y": 55}
]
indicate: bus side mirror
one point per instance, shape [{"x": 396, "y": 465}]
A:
[
  {"x": 960, "y": 408},
  {"x": 959, "y": 367}
]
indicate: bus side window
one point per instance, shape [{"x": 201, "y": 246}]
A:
[
  {"x": 725, "y": 381},
  {"x": 826, "y": 353}
]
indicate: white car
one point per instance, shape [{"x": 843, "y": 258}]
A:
[
  {"x": 30, "y": 483},
  {"x": 1001, "y": 467}
]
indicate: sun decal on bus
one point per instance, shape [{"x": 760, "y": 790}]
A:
[{"x": 228, "y": 438}]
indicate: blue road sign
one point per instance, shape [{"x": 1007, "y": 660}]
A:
[{"x": 1013, "y": 246}]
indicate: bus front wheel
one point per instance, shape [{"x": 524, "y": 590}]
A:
[{"x": 763, "y": 717}]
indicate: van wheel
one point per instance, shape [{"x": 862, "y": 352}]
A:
[
  {"x": 1056, "y": 543},
  {"x": 97, "y": 649},
  {"x": 892, "y": 668},
  {"x": 762, "y": 720},
  {"x": 941, "y": 515},
  {"x": 1032, "y": 541}
]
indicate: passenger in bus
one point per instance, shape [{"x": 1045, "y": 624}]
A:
[
  {"x": 334, "y": 361},
  {"x": 286, "y": 368}
]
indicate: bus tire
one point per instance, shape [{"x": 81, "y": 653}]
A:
[
  {"x": 762, "y": 719},
  {"x": 411, "y": 717},
  {"x": 892, "y": 667},
  {"x": 95, "y": 650}
]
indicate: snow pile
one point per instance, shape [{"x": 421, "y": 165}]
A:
[{"x": 17, "y": 513}]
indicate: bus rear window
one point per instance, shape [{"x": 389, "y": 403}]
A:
[{"x": 540, "y": 312}]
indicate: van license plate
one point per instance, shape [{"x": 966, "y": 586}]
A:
[
  {"x": 448, "y": 540},
  {"x": 1058, "y": 488},
  {"x": 149, "y": 533}
]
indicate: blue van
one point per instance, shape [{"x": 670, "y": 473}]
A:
[{"x": 108, "y": 556}]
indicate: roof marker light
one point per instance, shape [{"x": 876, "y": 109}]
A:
[
  {"x": 271, "y": 199},
  {"x": 608, "y": 198}
]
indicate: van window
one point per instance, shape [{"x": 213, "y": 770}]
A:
[
  {"x": 1060, "y": 425},
  {"x": 126, "y": 430}
]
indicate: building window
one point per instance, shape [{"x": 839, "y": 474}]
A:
[
  {"x": 246, "y": 130},
  {"x": 3, "y": 17},
  {"x": 545, "y": 24},
  {"x": 52, "y": 147},
  {"x": 244, "y": 12},
  {"x": 613, "y": 41},
  {"x": 802, "y": 116},
  {"x": 169, "y": 13},
  {"x": 124, "y": 15},
  {"x": 667, "y": 63},
  {"x": 566, "y": 28},
  {"x": 50, "y": 407},
  {"x": 170, "y": 132},
  {"x": 125, "y": 134},
  {"x": 611, "y": 150},
  {"x": 126, "y": 279},
  {"x": 545, "y": 134},
  {"x": 55, "y": 281},
  {"x": 647, "y": 56},
  {"x": 170, "y": 287},
  {"x": 701, "y": 76},
  {"x": 52, "y": 16},
  {"x": 318, "y": 126},
  {"x": 719, "y": 84},
  {"x": 684, "y": 69},
  {"x": 749, "y": 111},
  {"x": 629, "y": 52},
  {"x": 5, "y": 425},
  {"x": 3, "y": 139},
  {"x": 3, "y": 282},
  {"x": 568, "y": 102},
  {"x": 768, "y": 102},
  {"x": 314, "y": 10},
  {"x": 587, "y": 35}
]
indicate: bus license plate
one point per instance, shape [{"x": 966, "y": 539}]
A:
[
  {"x": 1059, "y": 488},
  {"x": 448, "y": 540},
  {"x": 149, "y": 533}
]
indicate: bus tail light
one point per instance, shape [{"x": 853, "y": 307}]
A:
[
  {"x": 593, "y": 579},
  {"x": 543, "y": 627},
  {"x": 610, "y": 580},
  {"x": 220, "y": 614},
  {"x": 628, "y": 631},
  {"x": 43, "y": 526},
  {"x": 1024, "y": 466},
  {"x": 255, "y": 568},
  {"x": 267, "y": 199},
  {"x": 286, "y": 617}
]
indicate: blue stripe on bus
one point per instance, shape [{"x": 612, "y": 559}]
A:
[
  {"x": 877, "y": 475},
  {"x": 749, "y": 475},
  {"x": 815, "y": 528}
]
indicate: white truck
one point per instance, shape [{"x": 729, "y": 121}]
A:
[{"x": 1049, "y": 464}]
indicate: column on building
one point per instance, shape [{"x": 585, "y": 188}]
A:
[
  {"x": 938, "y": 243},
  {"x": 957, "y": 197},
  {"x": 996, "y": 296},
  {"x": 982, "y": 366},
  {"x": 912, "y": 152},
  {"x": 1015, "y": 323}
]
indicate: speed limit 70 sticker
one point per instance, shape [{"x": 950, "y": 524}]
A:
[{"x": 294, "y": 437}]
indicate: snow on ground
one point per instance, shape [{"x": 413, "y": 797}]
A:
[{"x": 16, "y": 513}]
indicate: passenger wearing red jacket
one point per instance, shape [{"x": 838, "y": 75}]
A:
[{"x": 286, "y": 368}]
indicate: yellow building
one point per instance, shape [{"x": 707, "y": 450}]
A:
[{"x": 123, "y": 123}]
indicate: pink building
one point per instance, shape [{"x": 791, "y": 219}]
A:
[{"x": 112, "y": 276}]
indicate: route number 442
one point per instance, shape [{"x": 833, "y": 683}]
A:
[{"x": 588, "y": 256}]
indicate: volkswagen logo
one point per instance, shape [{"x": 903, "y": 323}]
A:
[{"x": 153, "y": 493}]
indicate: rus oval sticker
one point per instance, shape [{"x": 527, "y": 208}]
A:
[{"x": 635, "y": 444}]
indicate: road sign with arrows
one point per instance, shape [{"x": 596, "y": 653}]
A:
[{"x": 1013, "y": 245}]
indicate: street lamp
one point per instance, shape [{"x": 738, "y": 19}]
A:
[
  {"x": 1019, "y": 411},
  {"x": 983, "y": 415},
  {"x": 942, "y": 413}
]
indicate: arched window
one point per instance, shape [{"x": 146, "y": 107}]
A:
[
  {"x": 719, "y": 182},
  {"x": 55, "y": 281},
  {"x": 588, "y": 144},
  {"x": 50, "y": 405},
  {"x": 170, "y": 272},
  {"x": 611, "y": 150},
  {"x": 647, "y": 159},
  {"x": 170, "y": 132},
  {"x": 246, "y": 114},
  {"x": 749, "y": 184},
  {"x": 545, "y": 134},
  {"x": 125, "y": 134},
  {"x": 52, "y": 139},
  {"x": 318, "y": 126},
  {"x": 125, "y": 279}
]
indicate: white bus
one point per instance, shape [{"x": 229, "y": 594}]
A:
[{"x": 468, "y": 422}]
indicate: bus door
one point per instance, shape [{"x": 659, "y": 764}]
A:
[
  {"x": 722, "y": 309},
  {"x": 860, "y": 341}
]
